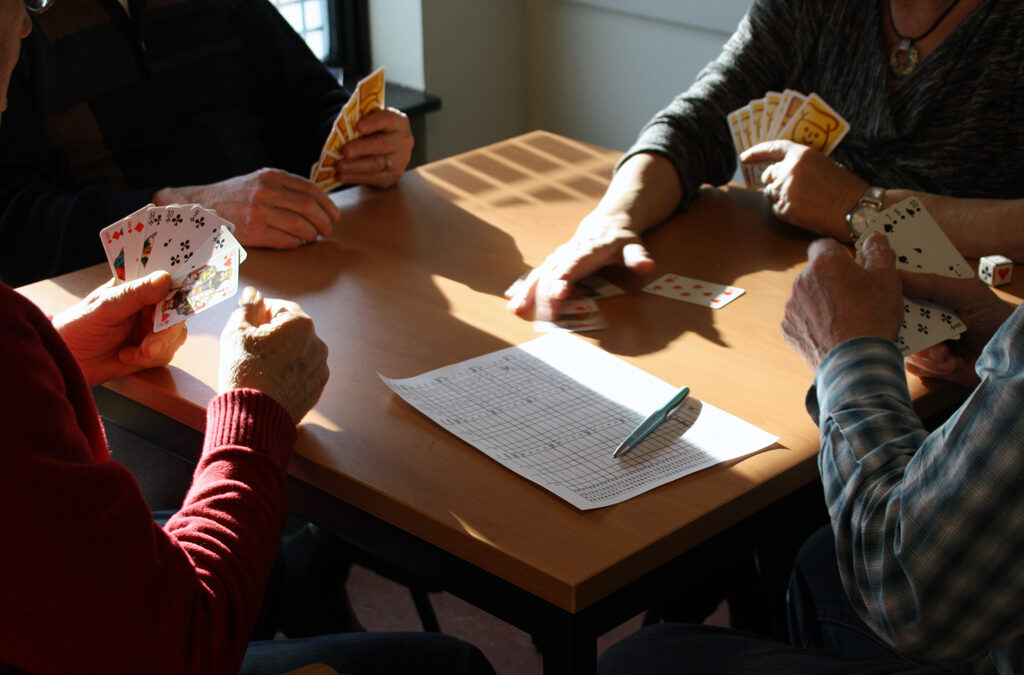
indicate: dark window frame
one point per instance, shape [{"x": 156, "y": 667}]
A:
[{"x": 349, "y": 22}]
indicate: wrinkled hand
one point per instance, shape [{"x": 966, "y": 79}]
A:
[
  {"x": 270, "y": 208},
  {"x": 834, "y": 299},
  {"x": 599, "y": 241},
  {"x": 379, "y": 156},
  {"x": 806, "y": 188},
  {"x": 110, "y": 332},
  {"x": 981, "y": 311},
  {"x": 272, "y": 346}
]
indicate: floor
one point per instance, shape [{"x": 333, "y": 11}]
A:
[{"x": 381, "y": 604}]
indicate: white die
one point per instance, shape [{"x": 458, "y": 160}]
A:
[{"x": 995, "y": 270}]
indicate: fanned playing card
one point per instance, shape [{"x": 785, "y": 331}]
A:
[
  {"x": 194, "y": 244},
  {"x": 789, "y": 115},
  {"x": 920, "y": 245},
  {"x": 694, "y": 291},
  {"x": 816, "y": 125},
  {"x": 367, "y": 97},
  {"x": 212, "y": 282},
  {"x": 112, "y": 237},
  {"x": 917, "y": 240},
  {"x": 926, "y": 324}
]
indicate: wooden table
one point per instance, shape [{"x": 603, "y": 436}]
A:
[{"x": 412, "y": 279}]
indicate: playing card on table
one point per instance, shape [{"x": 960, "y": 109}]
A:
[
  {"x": 578, "y": 314},
  {"x": 695, "y": 291},
  {"x": 926, "y": 324},
  {"x": 198, "y": 289},
  {"x": 596, "y": 288},
  {"x": 917, "y": 240}
]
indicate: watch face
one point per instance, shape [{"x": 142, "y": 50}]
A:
[{"x": 858, "y": 218}]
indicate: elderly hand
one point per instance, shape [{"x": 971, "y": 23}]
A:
[
  {"x": 835, "y": 300},
  {"x": 981, "y": 311},
  {"x": 111, "y": 331},
  {"x": 269, "y": 207},
  {"x": 379, "y": 156},
  {"x": 805, "y": 187},
  {"x": 272, "y": 346},
  {"x": 599, "y": 241}
]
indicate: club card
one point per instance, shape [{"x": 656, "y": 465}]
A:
[
  {"x": 578, "y": 314},
  {"x": 219, "y": 241},
  {"x": 199, "y": 289},
  {"x": 917, "y": 240},
  {"x": 695, "y": 291},
  {"x": 926, "y": 324},
  {"x": 817, "y": 125},
  {"x": 172, "y": 240}
]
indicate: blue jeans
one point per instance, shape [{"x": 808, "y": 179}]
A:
[{"x": 826, "y": 633}]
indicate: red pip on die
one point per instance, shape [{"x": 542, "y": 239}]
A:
[{"x": 995, "y": 270}]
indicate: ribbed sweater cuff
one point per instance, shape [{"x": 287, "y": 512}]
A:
[{"x": 251, "y": 419}]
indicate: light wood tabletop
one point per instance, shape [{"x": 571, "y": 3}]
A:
[{"x": 412, "y": 279}]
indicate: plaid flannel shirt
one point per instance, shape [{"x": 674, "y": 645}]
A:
[{"x": 927, "y": 525}]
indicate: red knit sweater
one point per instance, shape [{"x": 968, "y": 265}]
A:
[{"x": 88, "y": 582}]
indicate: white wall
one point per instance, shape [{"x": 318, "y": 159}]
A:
[
  {"x": 595, "y": 70},
  {"x": 396, "y": 40}
]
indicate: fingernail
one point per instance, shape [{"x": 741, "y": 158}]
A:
[
  {"x": 249, "y": 295},
  {"x": 155, "y": 347}
]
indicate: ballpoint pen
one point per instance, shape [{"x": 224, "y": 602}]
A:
[{"x": 653, "y": 421}]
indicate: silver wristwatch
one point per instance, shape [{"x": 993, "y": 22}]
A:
[{"x": 870, "y": 203}]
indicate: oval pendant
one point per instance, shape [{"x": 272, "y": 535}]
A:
[{"x": 901, "y": 67}]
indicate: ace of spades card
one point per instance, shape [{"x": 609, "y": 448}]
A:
[{"x": 920, "y": 245}]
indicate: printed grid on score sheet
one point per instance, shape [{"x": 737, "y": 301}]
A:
[{"x": 540, "y": 423}]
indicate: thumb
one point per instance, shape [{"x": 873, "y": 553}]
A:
[
  {"x": 876, "y": 255},
  {"x": 636, "y": 258},
  {"x": 148, "y": 290},
  {"x": 251, "y": 311}
]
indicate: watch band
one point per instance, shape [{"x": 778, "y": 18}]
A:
[
  {"x": 871, "y": 200},
  {"x": 872, "y": 197}
]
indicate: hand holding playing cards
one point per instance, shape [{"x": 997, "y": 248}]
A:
[
  {"x": 270, "y": 208},
  {"x": 111, "y": 331},
  {"x": 805, "y": 187},
  {"x": 600, "y": 240},
  {"x": 379, "y": 155},
  {"x": 272, "y": 346},
  {"x": 834, "y": 299},
  {"x": 981, "y": 310}
]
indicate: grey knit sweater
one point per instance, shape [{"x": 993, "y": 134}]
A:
[{"x": 954, "y": 127}]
